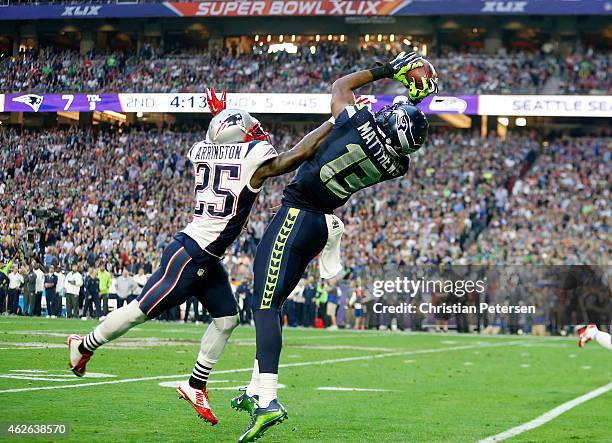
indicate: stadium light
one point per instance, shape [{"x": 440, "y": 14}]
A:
[
  {"x": 293, "y": 37},
  {"x": 269, "y": 39},
  {"x": 313, "y": 49},
  {"x": 317, "y": 37},
  {"x": 256, "y": 37},
  {"x": 280, "y": 38},
  {"x": 520, "y": 121},
  {"x": 380, "y": 37},
  {"x": 392, "y": 37},
  {"x": 367, "y": 37},
  {"x": 503, "y": 121},
  {"x": 407, "y": 42},
  {"x": 139, "y": 114},
  {"x": 342, "y": 37},
  {"x": 329, "y": 37}
]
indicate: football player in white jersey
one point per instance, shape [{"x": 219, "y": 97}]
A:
[
  {"x": 231, "y": 166},
  {"x": 592, "y": 332}
]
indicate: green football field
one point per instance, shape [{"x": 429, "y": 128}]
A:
[{"x": 339, "y": 386}]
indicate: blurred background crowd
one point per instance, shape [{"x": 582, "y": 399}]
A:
[
  {"x": 121, "y": 196},
  {"x": 309, "y": 69}
]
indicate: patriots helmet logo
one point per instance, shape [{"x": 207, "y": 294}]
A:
[{"x": 32, "y": 100}]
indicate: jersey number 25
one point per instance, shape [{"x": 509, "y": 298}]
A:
[{"x": 225, "y": 199}]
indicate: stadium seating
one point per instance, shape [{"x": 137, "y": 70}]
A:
[{"x": 150, "y": 70}]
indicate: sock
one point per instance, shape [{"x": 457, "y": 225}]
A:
[
  {"x": 604, "y": 339},
  {"x": 253, "y": 387},
  {"x": 267, "y": 389},
  {"x": 211, "y": 347},
  {"x": 114, "y": 326},
  {"x": 199, "y": 376}
]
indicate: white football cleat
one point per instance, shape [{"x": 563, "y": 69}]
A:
[
  {"x": 586, "y": 334},
  {"x": 78, "y": 361},
  {"x": 198, "y": 399}
]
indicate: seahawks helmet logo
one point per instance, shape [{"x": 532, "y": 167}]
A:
[
  {"x": 32, "y": 100},
  {"x": 404, "y": 132}
]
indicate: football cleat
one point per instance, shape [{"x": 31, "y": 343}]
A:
[
  {"x": 198, "y": 399},
  {"x": 586, "y": 334},
  {"x": 78, "y": 361},
  {"x": 244, "y": 403},
  {"x": 264, "y": 418}
]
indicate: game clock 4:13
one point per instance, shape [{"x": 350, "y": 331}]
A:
[{"x": 196, "y": 102}]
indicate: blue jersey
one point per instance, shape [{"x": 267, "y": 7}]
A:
[{"x": 352, "y": 157}]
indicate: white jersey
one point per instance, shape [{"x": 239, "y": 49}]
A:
[{"x": 223, "y": 195}]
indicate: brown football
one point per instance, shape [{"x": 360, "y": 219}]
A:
[{"x": 422, "y": 69}]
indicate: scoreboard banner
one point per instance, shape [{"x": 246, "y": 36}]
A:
[
  {"x": 271, "y": 103},
  {"x": 267, "y": 8}
]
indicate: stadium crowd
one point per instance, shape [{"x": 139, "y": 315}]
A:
[
  {"x": 152, "y": 70},
  {"x": 121, "y": 196}
]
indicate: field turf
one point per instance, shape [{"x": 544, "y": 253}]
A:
[{"x": 432, "y": 387}]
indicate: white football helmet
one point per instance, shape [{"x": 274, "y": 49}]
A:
[{"x": 235, "y": 126}]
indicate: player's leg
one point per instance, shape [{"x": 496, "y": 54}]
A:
[
  {"x": 216, "y": 295},
  {"x": 592, "y": 332},
  {"x": 167, "y": 287},
  {"x": 291, "y": 241}
]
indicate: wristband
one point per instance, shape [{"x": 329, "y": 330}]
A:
[{"x": 382, "y": 71}]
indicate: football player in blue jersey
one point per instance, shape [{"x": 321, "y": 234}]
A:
[{"x": 363, "y": 149}]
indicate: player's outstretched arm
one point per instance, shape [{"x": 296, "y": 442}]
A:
[
  {"x": 397, "y": 69},
  {"x": 342, "y": 89},
  {"x": 290, "y": 160}
]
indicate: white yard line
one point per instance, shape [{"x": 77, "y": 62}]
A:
[
  {"x": 548, "y": 416},
  {"x": 285, "y": 365},
  {"x": 341, "y": 389}
]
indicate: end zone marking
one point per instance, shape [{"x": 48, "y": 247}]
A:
[{"x": 548, "y": 416}]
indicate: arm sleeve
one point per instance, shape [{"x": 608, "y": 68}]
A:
[{"x": 258, "y": 152}]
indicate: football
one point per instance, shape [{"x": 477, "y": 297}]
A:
[{"x": 422, "y": 69}]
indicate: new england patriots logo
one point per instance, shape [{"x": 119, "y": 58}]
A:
[
  {"x": 32, "y": 100},
  {"x": 231, "y": 120}
]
